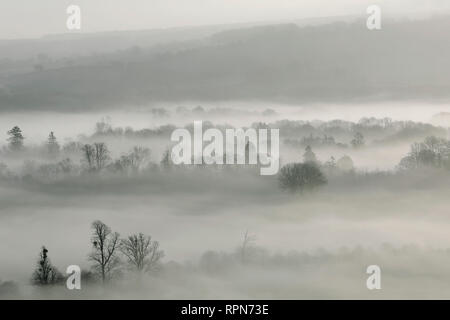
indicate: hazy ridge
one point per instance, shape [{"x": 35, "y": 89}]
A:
[{"x": 339, "y": 62}]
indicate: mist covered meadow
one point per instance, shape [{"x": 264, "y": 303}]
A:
[
  {"x": 312, "y": 244},
  {"x": 85, "y": 141}
]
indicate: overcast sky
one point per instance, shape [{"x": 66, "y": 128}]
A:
[{"x": 34, "y": 18}]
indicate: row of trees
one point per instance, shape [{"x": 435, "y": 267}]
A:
[
  {"x": 357, "y": 141},
  {"x": 16, "y": 140},
  {"x": 371, "y": 128},
  {"x": 96, "y": 157},
  {"x": 141, "y": 253}
]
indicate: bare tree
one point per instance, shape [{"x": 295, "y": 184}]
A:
[
  {"x": 101, "y": 155},
  {"x": 104, "y": 250},
  {"x": 247, "y": 241},
  {"x": 138, "y": 157},
  {"x": 166, "y": 161},
  {"x": 45, "y": 273},
  {"x": 135, "y": 160},
  {"x": 88, "y": 155},
  {"x": 142, "y": 253}
]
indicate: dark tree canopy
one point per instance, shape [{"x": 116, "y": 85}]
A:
[
  {"x": 298, "y": 177},
  {"x": 45, "y": 273},
  {"x": 15, "y": 138}
]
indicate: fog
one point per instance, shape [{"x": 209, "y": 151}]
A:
[
  {"x": 210, "y": 219},
  {"x": 200, "y": 210},
  {"x": 71, "y": 124},
  {"x": 85, "y": 142}
]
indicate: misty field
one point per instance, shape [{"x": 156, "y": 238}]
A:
[
  {"x": 226, "y": 231},
  {"x": 88, "y": 177}
]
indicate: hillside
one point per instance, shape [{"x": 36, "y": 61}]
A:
[{"x": 334, "y": 62}]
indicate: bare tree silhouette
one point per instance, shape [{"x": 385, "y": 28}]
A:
[
  {"x": 247, "y": 241},
  {"x": 104, "y": 250},
  {"x": 142, "y": 253}
]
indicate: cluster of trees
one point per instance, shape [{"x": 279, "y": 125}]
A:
[
  {"x": 109, "y": 256},
  {"x": 299, "y": 177},
  {"x": 306, "y": 175},
  {"x": 432, "y": 152},
  {"x": 96, "y": 157},
  {"x": 16, "y": 142},
  {"x": 313, "y": 133}
]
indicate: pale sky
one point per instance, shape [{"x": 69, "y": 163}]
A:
[{"x": 34, "y": 18}]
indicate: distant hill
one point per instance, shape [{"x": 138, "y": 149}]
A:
[{"x": 334, "y": 62}]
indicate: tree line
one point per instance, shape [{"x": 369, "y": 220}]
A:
[{"x": 308, "y": 174}]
